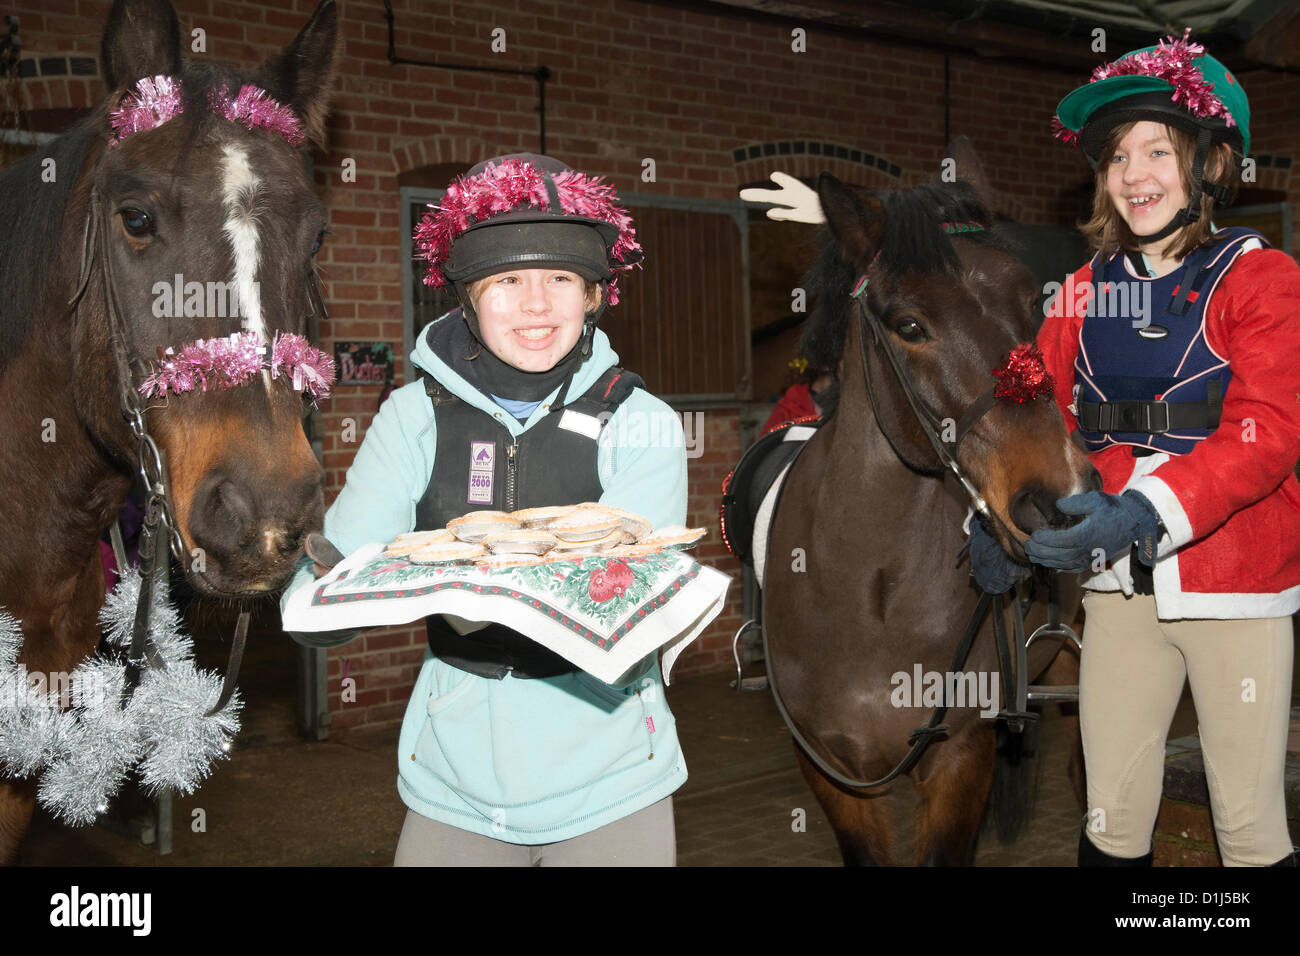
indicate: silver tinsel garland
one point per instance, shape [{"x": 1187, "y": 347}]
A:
[{"x": 84, "y": 742}]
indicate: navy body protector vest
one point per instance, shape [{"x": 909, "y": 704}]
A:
[
  {"x": 1145, "y": 374},
  {"x": 480, "y": 466}
]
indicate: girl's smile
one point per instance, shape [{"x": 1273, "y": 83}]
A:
[
  {"x": 1144, "y": 180},
  {"x": 532, "y": 318}
]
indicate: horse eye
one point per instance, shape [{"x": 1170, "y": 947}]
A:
[
  {"x": 909, "y": 330},
  {"x": 137, "y": 222},
  {"x": 320, "y": 240}
]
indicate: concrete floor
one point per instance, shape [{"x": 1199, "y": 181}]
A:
[{"x": 284, "y": 801}]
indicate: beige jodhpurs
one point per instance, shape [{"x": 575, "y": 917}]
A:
[
  {"x": 645, "y": 838},
  {"x": 1131, "y": 678}
]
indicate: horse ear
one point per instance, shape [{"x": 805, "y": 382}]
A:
[
  {"x": 141, "y": 38},
  {"x": 965, "y": 164},
  {"x": 300, "y": 76},
  {"x": 856, "y": 221}
]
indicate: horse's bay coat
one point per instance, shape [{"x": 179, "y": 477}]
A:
[
  {"x": 527, "y": 761},
  {"x": 1232, "y": 506}
]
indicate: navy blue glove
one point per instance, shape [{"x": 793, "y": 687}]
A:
[
  {"x": 323, "y": 554},
  {"x": 1111, "y": 524},
  {"x": 992, "y": 567}
]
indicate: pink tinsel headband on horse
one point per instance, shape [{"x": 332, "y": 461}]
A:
[
  {"x": 158, "y": 99},
  {"x": 226, "y": 363},
  {"x": 504, "y": 186},
  {"x": 1170, "y": 61}
]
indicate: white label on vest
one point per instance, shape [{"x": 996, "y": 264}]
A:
[
  {"x": 482, "y": 470},
  {"x": 588, "y": 425}
]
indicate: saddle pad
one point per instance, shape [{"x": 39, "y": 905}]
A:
[{"x": 751, "y": 490}]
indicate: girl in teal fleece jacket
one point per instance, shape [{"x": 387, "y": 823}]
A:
[{"x": 556, "y": 767}]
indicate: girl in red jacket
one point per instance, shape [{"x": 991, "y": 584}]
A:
[{"x": 1176, "y": 356}]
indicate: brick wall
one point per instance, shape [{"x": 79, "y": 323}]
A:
[
  {"x": 721, "y": 449},
  {"x": 1274, "y": 104},
  {"x": 629, "y": 81}
]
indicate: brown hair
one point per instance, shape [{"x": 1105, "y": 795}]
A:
[
  {"x": 591, "y": 292},
  {"x": 1107, "y": 231}
]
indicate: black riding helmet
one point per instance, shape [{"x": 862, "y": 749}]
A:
[{"x": 527, "y": 211}]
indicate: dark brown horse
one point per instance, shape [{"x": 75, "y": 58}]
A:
[
  {"x": 198, "y": 199},
  {"x": 862, "y": 580}
]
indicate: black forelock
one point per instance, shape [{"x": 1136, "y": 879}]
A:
[{"x": 915, "y": 239}]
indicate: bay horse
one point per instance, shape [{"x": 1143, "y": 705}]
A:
[
  {"x": 862, "y": 579},
  {"x": 198, "y": 198}
]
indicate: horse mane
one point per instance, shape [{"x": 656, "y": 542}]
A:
[
  {"x": 913, "y": 240},
  {"x": 32, "y": 211},
  {"x": 31, "y": 222}
]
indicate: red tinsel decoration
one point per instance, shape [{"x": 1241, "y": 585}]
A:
[
  {"x": 1170, "y": 61},
  {"x": 1062, "y": 132},
  {"x": 504, "y": 186},
  {"x": 1023, "y": 376}
]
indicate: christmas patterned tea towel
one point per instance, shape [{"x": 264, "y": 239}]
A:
[{"x": 602, "y": 614}]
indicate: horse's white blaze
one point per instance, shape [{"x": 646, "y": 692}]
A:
[
  {"x": 1079, "y": 461},
  {"x": 241, "y": 189}
]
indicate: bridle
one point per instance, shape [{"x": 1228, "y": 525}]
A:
[
  {"x": 159, "y": 516},
  {"x": 946, "y": 451}
]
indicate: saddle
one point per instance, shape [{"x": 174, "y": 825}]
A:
[{"x": 750, "y": 490}]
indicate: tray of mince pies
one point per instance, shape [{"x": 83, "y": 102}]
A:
[{"x": 501, "y": 539}]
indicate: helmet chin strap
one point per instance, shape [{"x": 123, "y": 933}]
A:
[
  {"x": 586, "y": 342},
  {"x": 1192, "y": 211}
]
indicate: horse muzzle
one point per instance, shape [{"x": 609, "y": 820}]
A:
[{"x": 250, "y": 542}]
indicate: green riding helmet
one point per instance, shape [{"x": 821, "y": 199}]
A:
[{"x": 1175, "y": 82}]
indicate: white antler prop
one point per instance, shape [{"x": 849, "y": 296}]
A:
[{"x": 794, "y": 201}]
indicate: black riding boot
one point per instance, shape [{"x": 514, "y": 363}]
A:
[{"x": 1089, "y": 855}]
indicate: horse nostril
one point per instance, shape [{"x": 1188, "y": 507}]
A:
[
  {"x": 222, "y": 516},
  {"x": 1034, "y": 507},
  {"x": 233, "y": 501}
]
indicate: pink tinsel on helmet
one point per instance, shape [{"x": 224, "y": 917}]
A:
[
  {"x": 505, "y": 186},
  {"x": 1023, "y": 376},
  {"x": 1170, "y": 61},
  {"x": 158, "y": 99},
  {"x": 1062, "y": 132},
  {"x": 228, "y": 362}
]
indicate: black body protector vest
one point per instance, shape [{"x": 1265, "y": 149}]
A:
[{"x": 480, "y": 465}]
